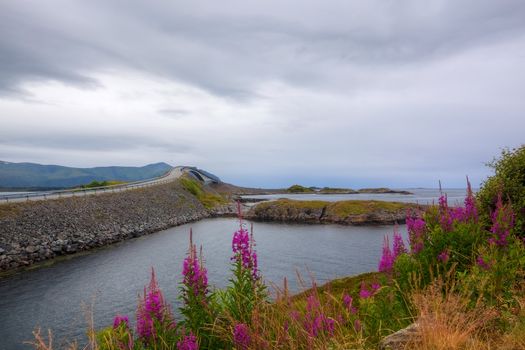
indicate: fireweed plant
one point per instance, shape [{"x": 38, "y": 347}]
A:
[
  {"x": 196, "y": 298},
  {"x": 477, "y": 256},
  {"x": 246, "y": 287}
]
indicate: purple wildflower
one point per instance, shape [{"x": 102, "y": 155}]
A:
[
  {"x": 457, "y": 214},
  {"x": 312, "y": 321},
  {"x": 329, "y": 325},
  {"x": 242, "y": 247},
  {"x": 312, "y": 303},
  {"x": 398, "y": 247},
  {"x": 502, "y": 223},
  {"x": 471, "y": 211},
  {"x": 315, "y": 321},
  {"x": 364, "y": 293},
  {"x": 315, "y": 326},
  {"x": 347, "y": 301},
  {"x": 483, "y": 264},
  {"x": 387, "y": 259},
  {"x": 445, "y": 218},
  {"x": 416, "y": 233},
  {"x": 375, "y": 286},
  {"x": 241, "y": 336},
  {"x": 444, "y": 256},
  {"x": 195, "y": 275},
  {"x": 151, "y": 310},
  {"x": 294, "y": 314},
  {"x": 188, "y": 342},
  {"x": 357, "y": 325},
  {"x": 118, "y": 320}
]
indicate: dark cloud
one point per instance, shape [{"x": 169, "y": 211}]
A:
[{"x": 231, "y": 48}]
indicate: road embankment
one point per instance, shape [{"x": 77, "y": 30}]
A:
[{"x": 36, "y": 231}]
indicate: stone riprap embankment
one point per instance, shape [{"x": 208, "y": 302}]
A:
[
  {"x": 36, "y": 231},
  {"x": 321, "y": 212}
]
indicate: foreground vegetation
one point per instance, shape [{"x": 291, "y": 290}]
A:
[{"x": 459, "y": 279}]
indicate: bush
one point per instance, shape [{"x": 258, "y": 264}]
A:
[
  {"x": 509, "y": 181},
  {"x": 299, "y": 189}
]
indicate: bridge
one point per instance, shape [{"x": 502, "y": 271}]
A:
[
  {"x": 169, "y": 176},
  {"x": 200, "y": 174}
]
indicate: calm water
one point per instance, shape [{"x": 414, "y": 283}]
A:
[
  {"x": 419, "y": 195},
  {"x": 52, "y": 297},
  {"x": 8, "y": 193}
]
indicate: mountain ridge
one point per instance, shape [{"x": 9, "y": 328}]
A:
[{"x": 34, "y": 175}]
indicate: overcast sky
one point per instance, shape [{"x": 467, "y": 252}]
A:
[{"x": 266, "y": 93}]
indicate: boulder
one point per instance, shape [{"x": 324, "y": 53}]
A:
[{"x": 399, "y": 339}]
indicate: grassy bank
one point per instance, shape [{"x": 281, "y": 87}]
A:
[{"x": 206, "y": 196}]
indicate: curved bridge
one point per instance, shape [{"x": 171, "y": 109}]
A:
[{"x": 200, "y": 174}]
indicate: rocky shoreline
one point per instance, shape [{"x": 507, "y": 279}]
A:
[{"x": 33, "y": 232}]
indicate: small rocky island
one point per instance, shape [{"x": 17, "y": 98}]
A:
[
  {"x": 353, "y": 212},
  {"x": 335, "y": 190}
]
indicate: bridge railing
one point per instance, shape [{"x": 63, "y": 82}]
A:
[{"x": 74, "y": 192}]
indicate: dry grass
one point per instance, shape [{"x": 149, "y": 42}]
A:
[
  {"x": 9, "y": 210},
  {"x": 447, "y": 322}
]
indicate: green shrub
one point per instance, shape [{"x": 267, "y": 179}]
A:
[
  {"x": 299, "y": 189},
  {"x": 509, "y": 180}
]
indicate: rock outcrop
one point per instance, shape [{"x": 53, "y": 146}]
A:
[
  {"x": 320, "y": 212},
  {"x": 400, "y": 339}
]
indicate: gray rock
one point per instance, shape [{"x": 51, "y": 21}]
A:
[
  {"x": 31, "y": 249},
  {"x": 399, "y": 339}
]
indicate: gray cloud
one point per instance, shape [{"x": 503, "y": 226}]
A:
[
  {"x": 93, "y": 142},
  {"x": 174, "y": 112},
  {"x": 230, "y": 49}
]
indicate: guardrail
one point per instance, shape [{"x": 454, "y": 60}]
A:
[{"x": 75, "y": 192}]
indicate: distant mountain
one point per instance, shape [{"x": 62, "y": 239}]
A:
[{"x": 31, "y": 175}]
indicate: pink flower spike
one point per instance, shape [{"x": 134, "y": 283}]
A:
[
  {"x": 241, "y": 336},
  {"x": 387, "y": 259},
  {"x": 188, "y": 342},
  {"x": 444, "y": 256}
]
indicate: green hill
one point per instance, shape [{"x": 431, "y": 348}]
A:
[{"x": 31, "y": 175}]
